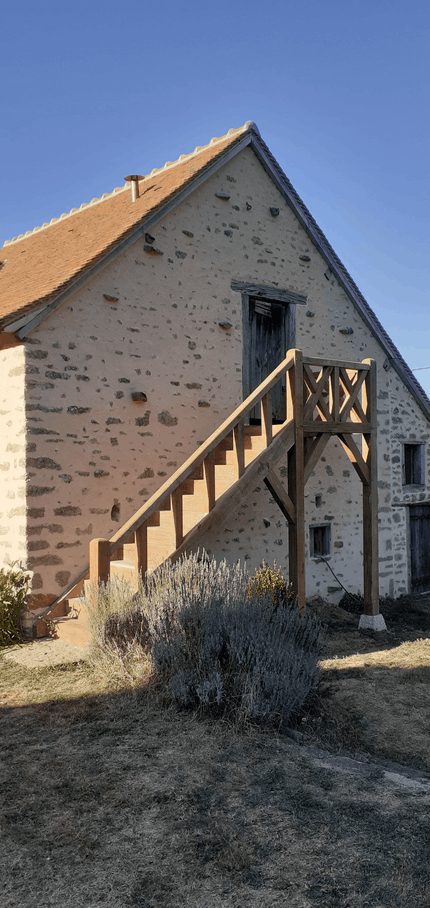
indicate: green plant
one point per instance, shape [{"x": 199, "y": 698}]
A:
[
  {"x": 269, "y": 583},
  {"x": 14, "y": 585}
]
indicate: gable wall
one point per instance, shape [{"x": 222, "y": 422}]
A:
[{"x": 91, "y": 448}]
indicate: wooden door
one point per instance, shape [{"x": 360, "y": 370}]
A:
[
  {"x": 419, "y": 536},
  {"x": 265, "y": 346}
]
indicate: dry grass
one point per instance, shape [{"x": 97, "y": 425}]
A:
[
  {"x": 109, "y": 800},
  {"x": 374, "y": 693}
]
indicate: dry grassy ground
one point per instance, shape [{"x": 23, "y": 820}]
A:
[{"x": 107, "y": 800}]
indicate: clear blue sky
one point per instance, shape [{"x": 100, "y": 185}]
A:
[{"x": 340, "y": 92}]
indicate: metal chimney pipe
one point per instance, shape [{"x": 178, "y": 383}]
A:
[{"x": 133, "y": 179}]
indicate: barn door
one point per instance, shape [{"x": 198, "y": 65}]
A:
[
  {"x": 265, "y": 346},
  {"x": 419, "y": 535}
]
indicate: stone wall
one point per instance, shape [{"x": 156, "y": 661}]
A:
[
  {"x": 12, "y": 453},
  {"x": 134, "y": 371}
]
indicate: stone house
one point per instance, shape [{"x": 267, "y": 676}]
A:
[{"x": 131, "y": 327}]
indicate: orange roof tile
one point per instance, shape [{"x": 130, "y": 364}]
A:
[{"x": 43, "y": 262}]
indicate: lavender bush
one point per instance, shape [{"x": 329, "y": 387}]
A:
[{"x": 218, "y": 646}]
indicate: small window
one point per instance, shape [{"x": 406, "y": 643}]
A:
[
  {"x": 413, "y": 465},
  {"x": 320, "y": 540}
]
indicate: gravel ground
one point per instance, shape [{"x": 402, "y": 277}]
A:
[{"x": 45, "y": 652}]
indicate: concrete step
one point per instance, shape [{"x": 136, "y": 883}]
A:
[
  {"x": 60, "y": 610},
  {"x": 76, "y": 629}
]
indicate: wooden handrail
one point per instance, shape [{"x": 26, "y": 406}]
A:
[
  {"x": 343, "y": 364},
  {"x": 169, "y": 487}
]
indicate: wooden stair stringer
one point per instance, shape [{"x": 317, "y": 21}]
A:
[{"x": 232, "y": 498}]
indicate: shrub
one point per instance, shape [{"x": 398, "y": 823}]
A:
[
  {"x": 118, "y": 630},
  {"x": 122, "y": 630},
  {"x": 218, "y": 645},
  {"x": 14, "y": 585},
  {"x": 270, "y": 583}
]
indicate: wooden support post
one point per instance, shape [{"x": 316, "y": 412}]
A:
[
  {"x": 370, "y": 497},
  {"x": 99, "y": 559},
  {"x": 289, "y": 384},
  {"x": 178, "y": 516},
  {"x": 296, "y": 486},
  {"x": 239, "y": 449},
  {"x": 334, "y": 402},
  {"x": 266, "y": 418},
  {"x": 209, "y": 473},
  {"x": 141, "y": 543}
]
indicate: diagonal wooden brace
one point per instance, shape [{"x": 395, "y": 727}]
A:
[
  {"x": 352, "y": 403},
  {"x": 280, "y": 495},
  {"x": 316, "y": 386},
  {"x": 355, "y": 457}
]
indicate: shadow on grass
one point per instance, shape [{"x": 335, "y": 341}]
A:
[
  {"x": 108, "y": 800},
  {"x": 376, "y": 710}
]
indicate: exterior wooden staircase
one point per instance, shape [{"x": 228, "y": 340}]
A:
[{"x": 322, "y": 399}]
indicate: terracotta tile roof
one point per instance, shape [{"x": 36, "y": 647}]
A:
[{"x": 36, "y": 266}]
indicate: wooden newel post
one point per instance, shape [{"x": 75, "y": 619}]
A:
[
  {"x": 99, "y": 561},
  {"x": 296, "y": 483},
  {"x": 370, "y": 497}
]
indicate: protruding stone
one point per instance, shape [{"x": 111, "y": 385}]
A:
[
  {"x": 143, "y": 420},
  {"x": 274, "y": 212},
  {"x": 152, "y": 250},
  {"x": 68, "y": 511},
  {"x": 139, "y": 396},
  {"x": 166, "y": 419}
]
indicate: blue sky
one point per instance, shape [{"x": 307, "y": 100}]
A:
[{"x": 340, "y": 92}]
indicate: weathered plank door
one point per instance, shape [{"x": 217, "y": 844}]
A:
[
  {"x": 266, "y": 344},
  {"x": 419, "y": 535}
]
